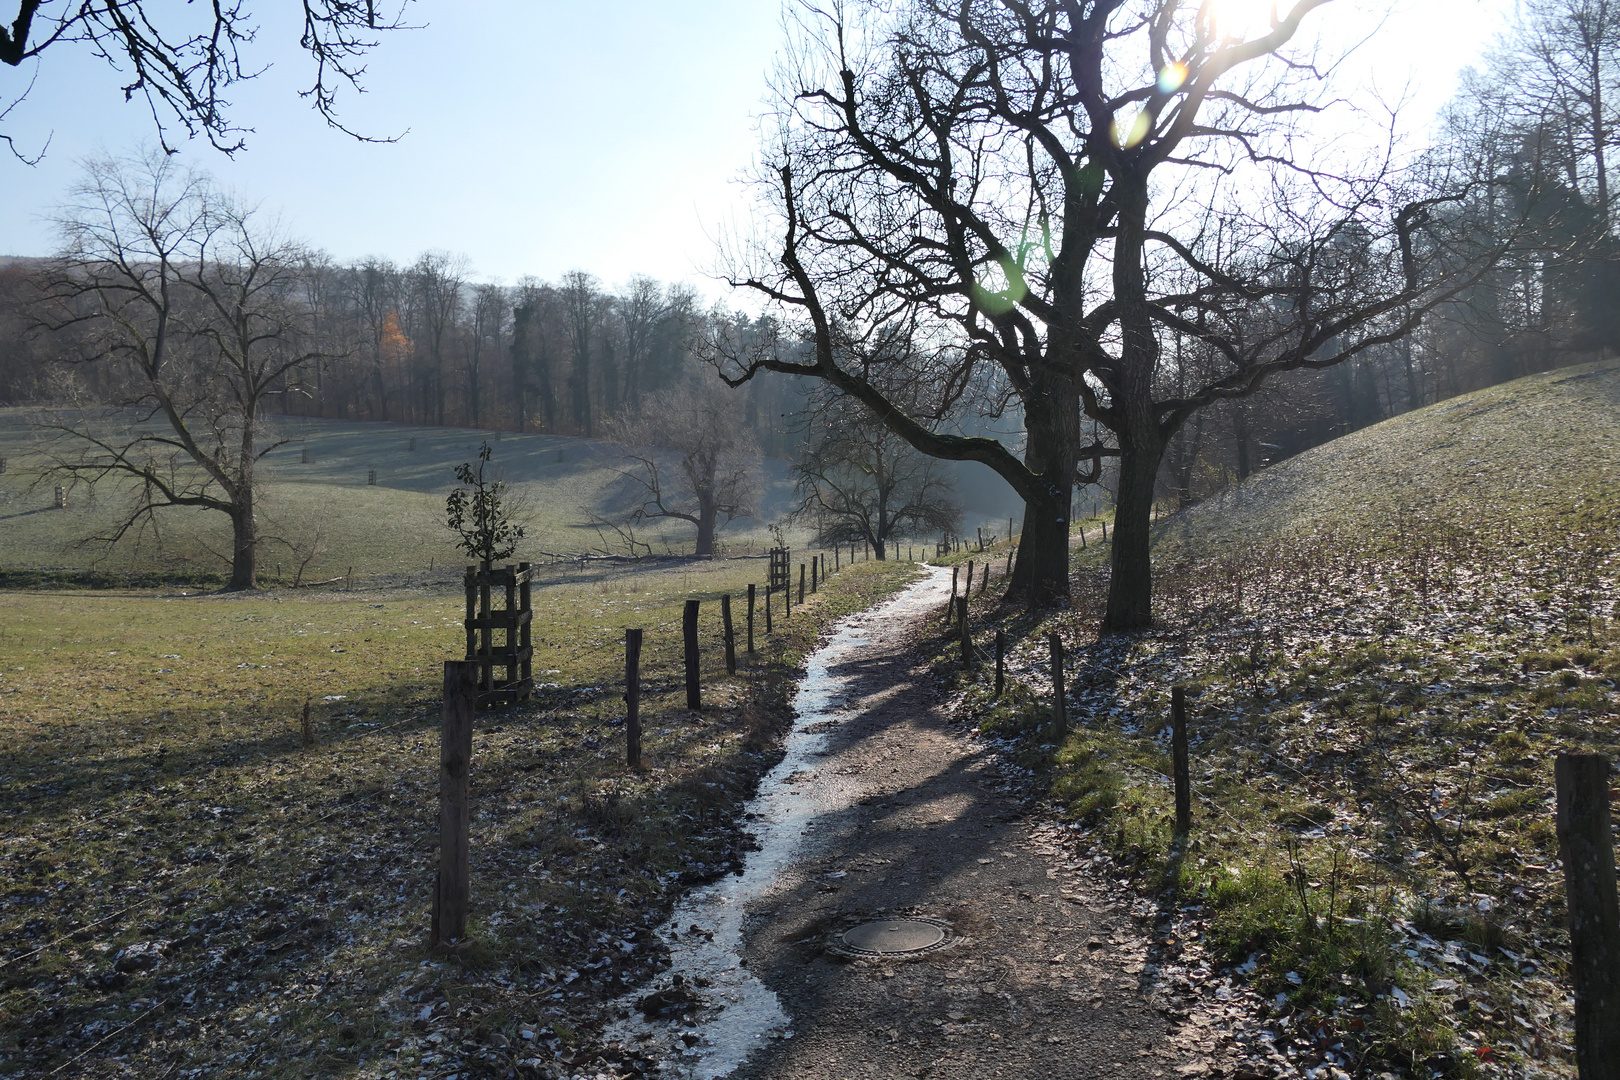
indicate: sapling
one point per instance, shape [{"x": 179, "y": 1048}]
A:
[{"x": 480, "y": 514}]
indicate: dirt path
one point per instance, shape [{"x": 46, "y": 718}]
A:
[{"x": 902, "y": 813}]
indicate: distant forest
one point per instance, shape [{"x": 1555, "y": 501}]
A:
[{"x": 423, "y": 344}]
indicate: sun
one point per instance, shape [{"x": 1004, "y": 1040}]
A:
[{"x": 1244, "y": 19}]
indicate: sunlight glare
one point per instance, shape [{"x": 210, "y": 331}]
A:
[
  {"x": 1172, "y": 76},
  {"x": 1128, "y": 130},
  {"x": 1243, "y": 19}
]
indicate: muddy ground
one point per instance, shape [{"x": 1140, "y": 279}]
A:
[{"x": 1044, "y": 973}]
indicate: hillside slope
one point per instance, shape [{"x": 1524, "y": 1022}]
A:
[
  {"x": 317, "y": 488},
  {"x": 1386, "y": 642},
  {"x": 1536, "y": 446}
]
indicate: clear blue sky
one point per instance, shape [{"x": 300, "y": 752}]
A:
[{"x": 543, "y": 136}]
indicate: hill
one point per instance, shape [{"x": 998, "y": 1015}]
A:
[
  {"x": 1386, "y": 643},
  {"x": 317, "y": 489}
]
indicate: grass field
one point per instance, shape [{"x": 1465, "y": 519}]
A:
[
  {"x": 394, "y": 527},
  {"x": 192, "y": 890},
  {"x": 1387, "y": 641}
]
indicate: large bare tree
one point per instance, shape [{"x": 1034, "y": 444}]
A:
[
  {"x": 692, "y": 458},
  {"x": 1046, "y": 192},
  {"x": 187, "y": 312},
  {"x": 860, "y": 483}
]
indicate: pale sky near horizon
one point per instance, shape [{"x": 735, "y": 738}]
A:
[{"x": 543, "y": 136}]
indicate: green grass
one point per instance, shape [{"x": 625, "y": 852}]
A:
[
  {"x": 159, "y": 790},
  {"x": 1387, "y": 641},
  {"x": 394, "y": 527}
]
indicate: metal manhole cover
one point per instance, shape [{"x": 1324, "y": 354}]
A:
[{"x": 894, "y": 938}]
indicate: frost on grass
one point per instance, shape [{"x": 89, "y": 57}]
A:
[
  {"x": 187, "y": 890},
  {"x": 1387, "y": 641}
]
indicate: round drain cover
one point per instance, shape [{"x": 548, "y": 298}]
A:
[{"x": 894, "y": 937}]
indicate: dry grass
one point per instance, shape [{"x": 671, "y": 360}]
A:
[
  {"x": 1388, "y": 640},
  {"x": 190, "y": 890}
]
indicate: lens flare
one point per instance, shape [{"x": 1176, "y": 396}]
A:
[
  {"x": 1172, "y": 77},
  {"x": 1126, "y": 133}
]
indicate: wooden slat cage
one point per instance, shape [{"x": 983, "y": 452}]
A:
[{"x": 513, "y": 652}]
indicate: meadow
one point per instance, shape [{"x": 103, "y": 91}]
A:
[{"x": 198, "y": 882}]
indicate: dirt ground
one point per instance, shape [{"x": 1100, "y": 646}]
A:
[{"x": 1046, "y": 974}]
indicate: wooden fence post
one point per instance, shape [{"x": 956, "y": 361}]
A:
[
  {"x": 981, "y": 536},
  {"x": 1178, "y": 757},
  {"x": 838, "y": 551},
  {"x": 454, "y": 893},
  {"x": 984, "y": 581},
  {"x": 1001, "y": 660},
  {"x": 767, "y": 609},
  {"x": 1105, "y": 531},
  {"x": 967, "y": 586},
  {"x": 689, "y": 623},
  {"x": 967, "y": 637},
  {"x": 750, "y": 618},
  {"x": 801, "y": 584},
  {"x": 731, "y": 642},
  {"x": 1060, "y": 706},
  {"x": 950, "y": 606},
  {"x": 632, "y": 698},
  {"x": 1586, "y": 846}
]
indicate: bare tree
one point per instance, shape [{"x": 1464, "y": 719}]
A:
[
  {"x": 1046, "y": 190},
  {"x": 488, "y": 326},
  {"x": 692, "y": 459},
  {"x": 183, "y": 58},
  {"x": 188, "y": 312},
  {"x": 859, "y": 482}
]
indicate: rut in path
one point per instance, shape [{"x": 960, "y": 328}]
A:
[{"x": 900, "y": 812}]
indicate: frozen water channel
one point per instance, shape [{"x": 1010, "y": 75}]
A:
[{"x": 736, "y": 1013}]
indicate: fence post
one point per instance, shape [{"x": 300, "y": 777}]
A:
[
  {"x": 731, "y": 642},
  {"x": 967, "y": 586},
  {"x": 950, "y": 606},
  {"x": 750, "y": 618},
  {"x": 967, "y": 637},
  {"x": 838, "y": 552},
  {"x": 801, "y": 584},
  {"x": 632, "y": 698},
  {"x": 454, "y": 892},
  {"x": 767, "y": 609},
  {"x": 1001, "y": 660},
  {"x": 1586, "y": 846},
  {"x": 1060, "y": 706},
  {"x": 1178, "y": 757},
  {"x": 815, "y": 573},
  {"x": 981, "y": 536},
  {"x": 694, "y": 697}
]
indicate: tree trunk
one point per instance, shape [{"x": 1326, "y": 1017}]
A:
[
  {"x": 1130, "y": 585},
  {"x": 1041, "y": 573},
  {"x": 880, "y": 547},
  {"x": 244, "y": 544},
  {"x": 705, "y": 530}
]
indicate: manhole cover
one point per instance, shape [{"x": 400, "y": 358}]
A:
[{"x": 894, "y": 937}]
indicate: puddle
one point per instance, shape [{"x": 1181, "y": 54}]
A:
[{"x": 737, "y": 1013}]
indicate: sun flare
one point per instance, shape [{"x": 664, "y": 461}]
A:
[{"x": 1243, "y": 19}]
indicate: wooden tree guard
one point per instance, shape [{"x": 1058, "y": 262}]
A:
[
  {"x": 514, "y": 653},
  {"x": 781, "y": 574}
]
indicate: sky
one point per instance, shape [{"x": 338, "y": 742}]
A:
[{"x": 539, "y": 136}]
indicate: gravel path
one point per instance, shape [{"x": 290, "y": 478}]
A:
[{"x": 1043, "y": 979}]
